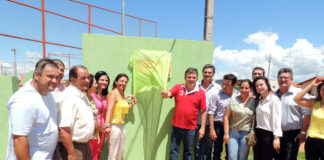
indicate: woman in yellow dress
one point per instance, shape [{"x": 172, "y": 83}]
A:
[{"x": 118, "y": 107}]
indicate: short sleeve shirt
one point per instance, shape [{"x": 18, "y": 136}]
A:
[
  {"x": 187, "y": 105},
  {"x": 292, "y": 113},
  {"x": 241, "y": 118},
  {"x": 34, "y": 116},
  {"x": 75, "y": 112}
]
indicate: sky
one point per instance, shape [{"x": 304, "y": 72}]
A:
[{"x": 245, "y": 32}]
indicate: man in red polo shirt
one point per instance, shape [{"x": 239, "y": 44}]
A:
[{"x": 189, "y": 99}]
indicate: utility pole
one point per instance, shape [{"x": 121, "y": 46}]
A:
[
  {"x": 123, "y": 17},
  {"x": 269, "y": 66},
  {"x": 209, "y": 20},
  {"x": 1, "y": 67},
  {"x": 15, "y": 62}
]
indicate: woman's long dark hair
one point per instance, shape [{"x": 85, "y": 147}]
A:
[
  {"x": 91, "y": 80},
  {"x": 120, "y": 75},
  {"x": 258, "y": 95},
  {"x": 319, "y": 97},
  {"x": 97, "y": 77}
]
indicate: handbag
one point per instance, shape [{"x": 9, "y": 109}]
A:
[{"x": 251, "y": 138}]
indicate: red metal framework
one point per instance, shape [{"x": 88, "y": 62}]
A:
[
  {"x": 43, "y": 10},
  {"x": 66, "y": 55}
]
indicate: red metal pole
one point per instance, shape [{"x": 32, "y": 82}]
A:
[
  {"x": 63, "y": 16},
  {"x": 139, "y": 22},
  {"x": 34, "y": 40},
  {"x": 89, "y": 19},
  {"x": 43, "y": 26}
]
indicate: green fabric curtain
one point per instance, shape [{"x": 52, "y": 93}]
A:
[{"x": 151, "y": 70}]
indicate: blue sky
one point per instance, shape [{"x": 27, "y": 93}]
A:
[{"x": 290, "y": 30}]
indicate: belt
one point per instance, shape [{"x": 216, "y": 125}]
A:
[
  {"x": 76, "y": 143},
  {"x": 219, "y": 122},
  {"x": 292, "y": 131}
]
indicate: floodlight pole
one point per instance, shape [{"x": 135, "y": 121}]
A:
[
  {"x": 209, "y": 20},
  {"x": 269, "y": 66},
  {"x": 1, "y": 67},
  {"x": 15, "y": 62}
]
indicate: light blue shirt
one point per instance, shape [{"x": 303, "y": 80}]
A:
[
  {"x": 218, "y": 102},
  {"x": 34, "y": 116},
  {"x": 292, "y": 113},
  {"x": 208, "y": 91}
]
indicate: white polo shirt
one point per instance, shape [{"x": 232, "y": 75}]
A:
[{"x": 75, "y": 112}]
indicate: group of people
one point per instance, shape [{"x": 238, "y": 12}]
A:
[
  {"x": 207, "y": 114},
  {"x": 50, "y": 121}
]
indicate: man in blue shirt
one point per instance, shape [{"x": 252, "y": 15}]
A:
[{"x": 218, "y": 102}]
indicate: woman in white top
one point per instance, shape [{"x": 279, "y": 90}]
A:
[{"x": 268, "y": 120}]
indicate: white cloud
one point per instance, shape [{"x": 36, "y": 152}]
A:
[
  {"x": 305, "y": 59},
  {"x": 30, "y": 54}
]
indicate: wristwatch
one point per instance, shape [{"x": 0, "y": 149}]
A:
[
  {"x": 302, "y": 132},
  {"x": 108, "y": 124}
]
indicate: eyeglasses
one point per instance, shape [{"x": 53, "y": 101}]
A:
[{"x": 284, "y": 78}]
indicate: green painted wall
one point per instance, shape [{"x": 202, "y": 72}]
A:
[
  {"x": 112, "y": 54},
  {"x": 8, "y": 85}
]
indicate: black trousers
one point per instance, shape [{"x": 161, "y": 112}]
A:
[
  {"x": 289, "y": 146},
  {"x": 83, "y": 151},
  {"x": 203, "y": 147},
  {"x": 263, "y": 150},
  {"x": 314, "y": 148}
]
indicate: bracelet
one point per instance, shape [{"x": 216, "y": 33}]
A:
[
  {"x": 108, "y": 124},
  {"x": 302, "y": 132}
]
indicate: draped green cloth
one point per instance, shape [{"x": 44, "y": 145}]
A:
[{"x": 151, "y": 70}]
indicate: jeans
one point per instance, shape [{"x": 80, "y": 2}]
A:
[
  {"x": 218, "y": 143},
  {"x": 237, "y": 146},
  {"x": 203, "y": 147},
  {"x": 289, "y": 146},
  {"x": 179, "y": 134},
  {"x": 314, "y": 148}
]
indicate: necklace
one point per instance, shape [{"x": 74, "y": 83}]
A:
[{"x": 244, "y": 101}]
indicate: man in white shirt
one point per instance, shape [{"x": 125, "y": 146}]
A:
[
  {"x": 33, "y": 129},
  {"x": 295, "y": 118},
  {"x": 203, "y": 147},
  {"x": 76, "y": 124},
  {"x": 57, "y": 93},
  {"x": 60, "y": 87}
]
